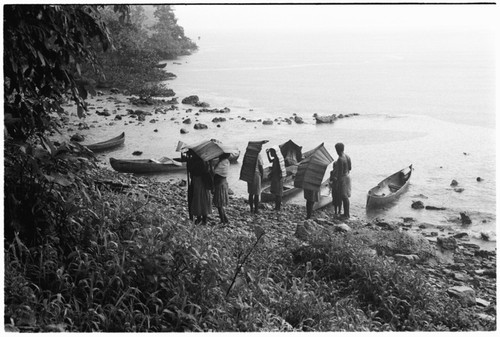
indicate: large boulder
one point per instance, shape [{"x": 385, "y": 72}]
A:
[
  {"x": 465, "y": 295},
  {"x": 193, "y": 99}
]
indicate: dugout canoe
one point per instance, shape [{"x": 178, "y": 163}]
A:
[
  {"x": 389, "y": 189},
  {"x": 107, "y": 144},
  {"x": 147, "y": 165},
  {"x": 325, "y": 196},
  {"x": 288, "y": 191}
]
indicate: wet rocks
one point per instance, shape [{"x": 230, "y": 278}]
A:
[
  {"x": 459, "y": 189},
  {"x": 479, "y": 179},
  {"x": 200, "y": 126},
  {"x": 184, "y": 131},
  {"x": 77, "y": 138},
  {"x": 433, "y": 208},
  {"x": 417, "y": 204},
  {"x": 464, "y": 217},
  {"x": 187, "y": 121},
  {"x": 267, "y": 122},
  {"x": 193, "y": 99},
  {"x": 220, "y": 111},
  {"x": 218, "y": 119},
  {"x": 453, "y": 183},
  {"x": 298, "y": 120},
  {"x": 137, "y": 153}
]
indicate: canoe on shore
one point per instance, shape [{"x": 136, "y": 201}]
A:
[
  {"x": 389, "y": 189},
  {"x": 288, "y": 191},
  {"x": 107, "y": 144},
  {"x": 147, "y": 165},
  {"x": 325, "y": 196}
]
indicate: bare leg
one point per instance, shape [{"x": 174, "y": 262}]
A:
[
  {"x": 256, "y": 203},
  {"x": 250, "y": 202}
]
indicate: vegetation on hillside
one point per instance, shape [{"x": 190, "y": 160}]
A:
[
  {"x": 139, "y": 48},
  {"x": 88, "y": 250}
]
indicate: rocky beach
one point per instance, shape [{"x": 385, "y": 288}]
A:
[{"x": 449, "y": 261}]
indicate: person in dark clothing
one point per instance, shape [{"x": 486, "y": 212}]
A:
[
  {"x": 200, "y": 204},
  {"x": 276, "y": 178},
  {"x": 343, "y": 178}
]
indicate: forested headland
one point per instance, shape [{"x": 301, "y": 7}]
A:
[{"x": 90, "y": 250}]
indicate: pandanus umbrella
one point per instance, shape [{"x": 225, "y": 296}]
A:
[
  {"x": 247, "y": 172},
  {"x": 312, "y": 169},
  {"x": 208, "y": 149}
]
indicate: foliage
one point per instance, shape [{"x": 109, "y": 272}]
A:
[
  {"x": 47, "y": 45},
  {"x": 137, "y": 264}
]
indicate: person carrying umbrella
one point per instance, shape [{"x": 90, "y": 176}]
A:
[
  {"x": 200, "y": 204},
  {"x": 252, "y": 171},
  {"x": 278, "y": 172},
  {"x": 221, "y": 195}
]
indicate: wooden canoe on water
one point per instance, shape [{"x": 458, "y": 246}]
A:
[
  {"x": 147, "y": 165},
  {"x": 389, "y": 189},
  {"x": 107, "y": 144}
]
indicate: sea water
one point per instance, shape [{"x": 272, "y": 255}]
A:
[{"x": 422, "y": 99}]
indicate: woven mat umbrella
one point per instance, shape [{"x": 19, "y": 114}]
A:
[
  {"x": 312, "y": 169},
  {"x": 208, "y": 149},
  {"x": 250, "y": 160}
]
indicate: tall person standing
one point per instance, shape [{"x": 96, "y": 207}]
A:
[
  {"x": 276, "y": 175},
  {"x": 343, "y": 178}
]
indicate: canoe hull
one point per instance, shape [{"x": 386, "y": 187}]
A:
[
  {"x": 144, "y": 166},
  {"x": 288, "y": 191},
  {"x": 325, "y": 197},
  {"x": 389, "y": 189},
  {"x": 108, "y": 144}
]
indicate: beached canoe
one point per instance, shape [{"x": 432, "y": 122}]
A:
[
  {"x": 389, "y": 189},
  {"x": 325, "y": 119},
  {"x": 147, "y": 165},
  {"x": 325, "y": 196},
  {"x": 108, "y": 144},
  {"x": 288, "y": 191}
]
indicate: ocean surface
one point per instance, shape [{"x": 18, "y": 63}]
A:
[{"x": 423, "y": 98}]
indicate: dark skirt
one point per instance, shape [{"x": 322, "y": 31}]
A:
[
  {"x": 336, "y": 196},
  {"x": 255, "y": 186},
  {"x": 277, "y": 186},
  {"x": 201, "y": 204},
  {"x": 311, "y": 195},
  {"x": 221, "y": 193}
]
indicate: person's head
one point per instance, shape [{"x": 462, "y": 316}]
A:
[
  {"x": 272, "y": 152},
  {"x": 339, "y": 147}
]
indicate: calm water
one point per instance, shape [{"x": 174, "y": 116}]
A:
[{"x": 423, "y": 99}]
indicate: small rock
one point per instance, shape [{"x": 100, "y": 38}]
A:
[
  {"x": 77, "y": 138},
  {"x": 486, "y": 317},
  {"x": 454, "y": 183},
  {"x": 465, "y": 218},
  {"x": 200, "y": 126},
  {"x": 118, "y": 118},
  {"x": 187, "y": 121},
  {"x": 267, "y": 122},
  {"x": 447, "y": 243},
  {"x": 341, "y": 227},
  {"x": 481, "y": 302},
  {"x": 298, "y": 120},
  {"x": 435, "y": 208},
  {"x": 417, "y": 204},
  {"x": 479, "y": 179},
  {"x": 184, "y": 131},
  {"x": 459, "y": 189},
  {"x": 461, "y": 277},
  {"x": 136, "y": 153},
  {"x": 155, "y": 130}
]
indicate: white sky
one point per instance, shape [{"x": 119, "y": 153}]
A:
[{"x": 199, "y": 18}]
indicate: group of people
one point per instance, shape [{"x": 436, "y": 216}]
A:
[
  {"x": 205, "y": 181},
  {"x": 208, "y": 185}
]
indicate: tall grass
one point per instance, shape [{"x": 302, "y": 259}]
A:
[{"x": 136, "y": 264}]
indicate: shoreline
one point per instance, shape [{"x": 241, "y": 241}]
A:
[{"x": 113, "y": 105}]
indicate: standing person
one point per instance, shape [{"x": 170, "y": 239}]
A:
[
  {"x": 221, "y": 195},
  {"x": 343, "y": 178},
  {"x": 311, "y": 197},
  {"x": 276, "y": 177},
  {"x": 334, "y": 186},
  {"x": 201, "y": 200},
  {"x": 255, "y": 186}
]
